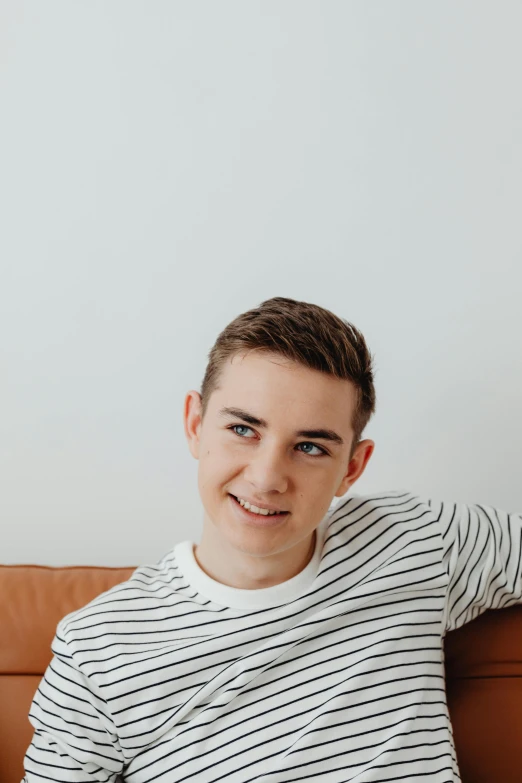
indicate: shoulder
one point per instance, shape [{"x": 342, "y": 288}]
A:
[
  {"x": 392, "y": 505},
  {"x": 149, "y": 592},
  {"x": 370, "y": 515}
]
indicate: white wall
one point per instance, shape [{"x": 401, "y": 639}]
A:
[{"x": 168, "y": 165}]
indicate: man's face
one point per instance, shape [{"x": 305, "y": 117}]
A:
[{"x": 268, "y": 462}]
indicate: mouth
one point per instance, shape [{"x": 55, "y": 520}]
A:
[{"x": 261, "y": 519}]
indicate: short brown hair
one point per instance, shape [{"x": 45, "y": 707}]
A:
[{"x": 304, "y": 333}]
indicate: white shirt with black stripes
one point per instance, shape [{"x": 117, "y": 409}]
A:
[{"x": 335, "y": 675}]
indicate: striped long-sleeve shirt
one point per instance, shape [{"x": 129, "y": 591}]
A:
[{"x": 335, "y": 675}]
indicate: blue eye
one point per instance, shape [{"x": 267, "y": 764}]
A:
[
  {"x": 322, "y": 452},
  {"x": 241, "y": 427},
  {"x": 314, "y": 446}
]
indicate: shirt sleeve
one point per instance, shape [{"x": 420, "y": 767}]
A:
[
  {"x": 482, "y": 554},
  {"x": 75, "y": 739}
]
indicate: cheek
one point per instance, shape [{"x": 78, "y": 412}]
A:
[{"x": 216, "y": 465}]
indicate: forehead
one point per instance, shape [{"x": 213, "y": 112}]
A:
[{"x": 263, "y": 383}]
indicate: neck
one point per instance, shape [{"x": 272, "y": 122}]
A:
[{"x": 234, "y": 568}]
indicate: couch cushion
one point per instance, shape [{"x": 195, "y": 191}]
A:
[
  {"x": 486, "y": 715},
  {"x": 490, "y": 646},
  {"x": 16, "y": 695},
  {"x": 32, "y": 601}
]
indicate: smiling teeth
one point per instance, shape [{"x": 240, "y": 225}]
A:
[{"x": 264, "y": 511}]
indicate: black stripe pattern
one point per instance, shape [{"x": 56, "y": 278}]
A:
[{"x": 334, "y": 676}]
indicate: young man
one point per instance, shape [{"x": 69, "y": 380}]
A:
[{"x": 299, "y": 640}]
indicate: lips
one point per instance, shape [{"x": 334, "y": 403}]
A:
[
  {"x": 278, "y": 512},
  {"x": 257, "y": 521}
]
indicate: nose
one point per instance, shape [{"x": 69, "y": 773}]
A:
[{"x": 266, "y": 470}]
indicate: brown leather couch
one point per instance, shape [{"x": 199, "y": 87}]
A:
[{"x": 483, "y": 669}]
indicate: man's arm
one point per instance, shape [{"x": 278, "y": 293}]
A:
[
  {"x": 75, "y": 738},
  {"x": 483, "y": 558}
]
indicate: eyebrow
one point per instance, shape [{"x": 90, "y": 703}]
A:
[{"x": 322, "y": 434}]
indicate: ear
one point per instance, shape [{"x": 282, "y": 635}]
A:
[
  {"x": 356, "y": 466},
  {"x": 192, "y": 421}
]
